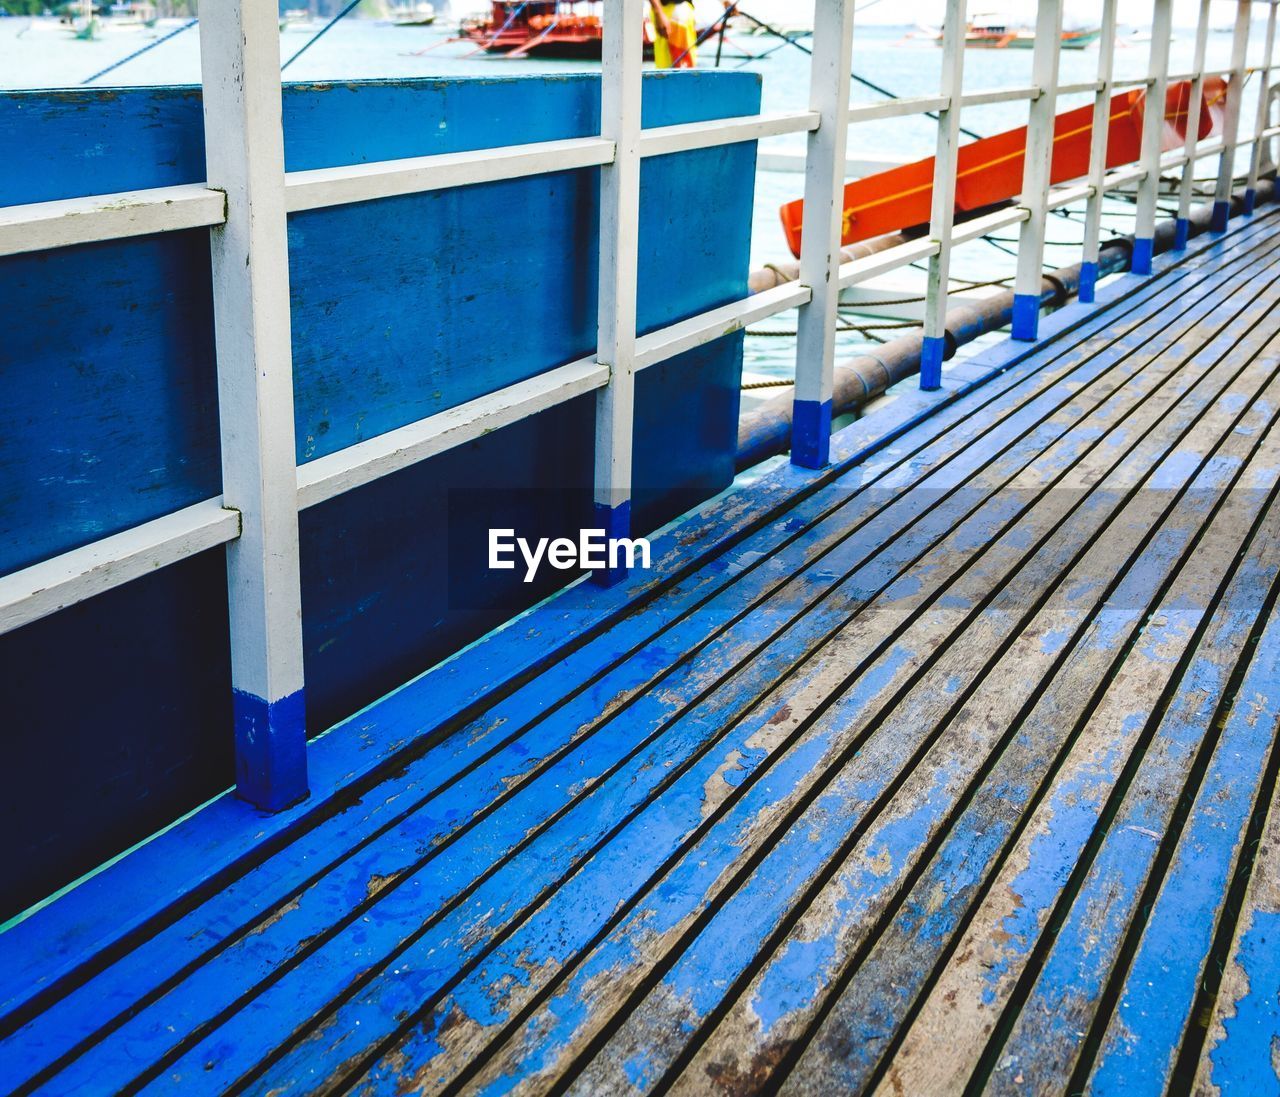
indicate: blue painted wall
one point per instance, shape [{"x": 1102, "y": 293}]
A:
[{"x": 118, "y": 710}]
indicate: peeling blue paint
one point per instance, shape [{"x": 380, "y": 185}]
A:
[
  {"x": 1165, "y": 973},
  {"x": 1244, "y": 1063}
]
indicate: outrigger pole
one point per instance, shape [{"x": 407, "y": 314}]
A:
[
  {"x": 320, "y": 33},
  {"x": 138, "y": 53}
]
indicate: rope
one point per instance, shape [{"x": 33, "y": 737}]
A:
[
  {"x": 139, "y": 53},
  {"x": 723, "y": 17},
  {"x": 960, "y": 283},
  {"x": 861, "y": 329},
  {"x": 858, "y": 79},
  {"x": 523, "y": 49},
  {"x": 774, "y": 49},
  {"x": 515, "y": 14},
  {"x": 320, "y": 33}
]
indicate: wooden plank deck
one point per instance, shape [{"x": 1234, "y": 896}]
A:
[{"x": 949, "y": 776}]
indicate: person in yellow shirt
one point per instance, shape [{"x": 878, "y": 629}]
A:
[{"x": 675, "y": 35}]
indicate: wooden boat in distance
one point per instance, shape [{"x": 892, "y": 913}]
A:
[
  {"x": 297, "y": 19},
  {"x": 991, "y": 32},
  {"x": 132, "y": 13},
  {"x": 545, "y": 28},
  {"x": 567, "y": 29},
  {"x": 990, "y": 170},
  {"x": 420, "y": 14}
]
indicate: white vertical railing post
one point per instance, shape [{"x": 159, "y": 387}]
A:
[
  {"x": 1098, "y": 153},
  {"x": 1182, "y": 227},
  {"x": 1231, "y": 119},
  {"x": 1144, "y": 232},
  {"x": 620, "y": 90},
  {"x": 1037, "y": 170},
  {"x": 942, "y": 215},
  {"x": 244, "y": 145},
  {"x": 1264, "y": 93},
  {"x": 830, "y": 70}
]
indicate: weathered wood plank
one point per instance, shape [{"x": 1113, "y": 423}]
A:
[
  {"x": 66, "y": 1025},
  {"x": 80, "y": 926},
  {"x": 530, "y": 946},
  {"x": 1027, "y": 430},
  {"x": 1153, "y": 1015},
  {"x": 1239, "y": 1053},
  {"x": 295, "y": 926},
  {"x": 459, "y": 804},
  {"x": 1040, "y": 1056},
  {"x": 776, "y": 1009},
  {"x": 645, "y": 775},
  {"x": 506, "y": 900},
  {"x": 968, "y": 997},
  {"x": 772, "y": 1013}
]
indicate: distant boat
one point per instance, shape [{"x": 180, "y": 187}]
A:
[
  {"x": 1140, "y": 37},
  {"x": 420, "y": 14},
  {"x": 296, "y": 19},
  {"x": 79, "y": 18},
  {"x": 569, "y": 29},
  {"x": 991, "y": 32},
  {"x": 132, "y": 13}
]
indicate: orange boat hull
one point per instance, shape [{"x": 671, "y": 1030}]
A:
[{"x": 990, "y": 170}]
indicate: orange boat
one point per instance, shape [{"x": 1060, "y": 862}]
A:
[
  {"x": 990, "y": 170},
  {"x": 564, "y": 29}
]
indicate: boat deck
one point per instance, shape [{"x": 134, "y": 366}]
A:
[{"x": 946, "y": 770}]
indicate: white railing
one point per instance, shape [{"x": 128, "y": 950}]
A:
[{"x": 248, "y": 196}]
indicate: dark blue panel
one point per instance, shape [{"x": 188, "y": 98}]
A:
[
  {"x": 76, "y": 143},
  {"x": 108, "y": 392},
  {"x": 400, "y": 308},
  {"x": 117, "y": 719},
  {"x": 408, "y": 306},
  {"x": 395, "y": 575}
]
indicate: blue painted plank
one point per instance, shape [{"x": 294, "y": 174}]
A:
[
  {"x": 62, "y": 1027},
  {"x": 985, "y": 963},
  {"x": 643, "y": 1048},
  {"x": 90, "y": 918},
  {"x": 368, "y": 1017},
  {"x": 1077, "y": 967},
  {"x": 285, "y": 1000},
  {"x": 1143, "y": 1037},
  {"x": 28, "y": 1043},
  {"x": 1052, "y": 671},
  {"x": 1238, "y": 1058},
  {"x": 209, "y": 986},
  {"x": 1082, "y": 957}
]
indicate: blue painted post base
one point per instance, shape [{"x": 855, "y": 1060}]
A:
[
  {"x": 1250, "y": 201},
  {"x": 811, "y": 434},
  {"x": 271, "y": 750},
  {"x": 1144, "y": 251},
  {"x": 1088, "y": 282},
  {"x": 1221, "y": 215},
  {"x": 1181, "y": 234},
  {"x": 616, "y": 523},
  {"x": 1026, "y": 317},
  {"x": 931, "y": 355}
]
